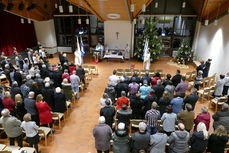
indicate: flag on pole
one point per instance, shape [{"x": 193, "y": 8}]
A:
[
  {"x": 145, "y": 48},
  {"x": 78, "y": 51},
  {"x": 82, "y": 47}
]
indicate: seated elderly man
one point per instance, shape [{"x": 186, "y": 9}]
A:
[
  {"x": 102, "y": 134},
  {"x": 141, "y": 139},
  {"x": 222, "y": 117},
  {"x": 12, "y": 127}
]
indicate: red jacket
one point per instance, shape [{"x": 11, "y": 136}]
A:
[
  {"x": 202, "y": 117},
  {"x": 154, "y": 81},
  {"x": 44, "y": 112},
  {"x": 71, "y": 69},
  {"x": 66, "y": 76},
  {"x": 121, "y": 101},
  {"x": 8, "y": 103}
]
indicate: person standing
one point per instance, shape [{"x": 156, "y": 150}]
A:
[
  {"x": 177, "y": 104},
  {"x": 127, "y": 52},
  {"x": 146, "y": 62},
  {"x": 81, "y": 73},
  {"x": 133, "y": 88},
  {"x": 176, "y": 78},
  {"x": 108, "y": 112},
  {"x": 219, "y": 86},
  {"x": 144, "y": 90},
  {"x": 203, "y": 117},
  {"x": 198, "y": 80},
  {"x": 226, "y": 85},
  {"x": 207, "y": 68},
  {"x": 192, "y": 98},
  {"x": 182, "y": 87},
  {"x": 152, "y": 117},
  {"x": 75, "y": 81},
  {"x": 102, "y": 134}
]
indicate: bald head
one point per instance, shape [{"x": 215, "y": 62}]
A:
[{"x": 181, "y": 126}]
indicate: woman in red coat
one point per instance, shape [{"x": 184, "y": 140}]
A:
[
  {"x": 9, "y": 103},
  {"x": 204, "y": 117},
  {"x": 44, "y": 111},
  {"x": 122, "y": 100}
]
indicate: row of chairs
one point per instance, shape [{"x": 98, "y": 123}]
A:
[
  {"x": 90, "y": 69},
  {"x": 140, "y": 72},
  {"x": 10, "y": 149},
  {"x": 206, "y": 82}
]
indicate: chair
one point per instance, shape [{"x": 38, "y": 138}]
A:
[
  {"x": 43, "y": 132},
  {"x": 151, "y": 72},
  {"x": 158, "y": 70},
  {"x": 11, "y": 148},
  {"x": 193, "y": 75},
  {"x": 120, "y": 70},
  {"x": 85, "y": 67},
  {"x": 29, "y": 149},
  {"x": 142, "y": 72},
  {"x": 218, "y": 102},
  {"x": 188, "y": 76},
  {"x": 191, "y": 84},
  {"x": 3, "y": 79},
  {"x": 128, "y": 72},
  {"x": 68, "y": 105},
  {"x": 136, "y": 70},
  {"x": 94, "y": 70},
  {"x": 134, "y": 123},
  {"x": 163, "y": 76},
  {"x": 203, "y": 93},
  {"x": 57, "y": 117},
  {"x": 120, "y": 74},
  {"x": 87, "y": 75}
]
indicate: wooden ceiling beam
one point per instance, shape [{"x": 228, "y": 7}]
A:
[
  {"x": 203, "y": 10},
  {"x": 88, "y": 7},
  {"x": 214, "y": 13}
]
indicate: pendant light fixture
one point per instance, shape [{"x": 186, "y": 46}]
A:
[
  {"x": 70, "y": 8},
  {"x": 87, "y": 21},
  {"x": 143, "y": 7},
  {"x": 156, "y": 5},
  {"x": 22, "y": 21},
  {"x": 132, "y": 8},
  {"x": 61, "y": 10},
  {"x": 184, "y": 4},
  {"x": 206, "y": 22},
  {"x": 56, "y": 5},
  {"x": 134, "y": 21},
  {"x": 143, "y": 21},
  {"x": 216, "y": 20},
  {"x": 79, "y": 20},
  {"x": 29, "y": 21}
]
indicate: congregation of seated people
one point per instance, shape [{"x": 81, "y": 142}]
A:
[
  {"x": 167, "y": 121},
  {"x": 35, "y": 90}
]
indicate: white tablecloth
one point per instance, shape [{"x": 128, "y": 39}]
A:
[{"x": 113, "y": 56}]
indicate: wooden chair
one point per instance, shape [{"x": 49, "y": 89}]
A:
[
  {"x": 5, "y": 151},
  {"x": 128, "y": 72},
  {"x": 94, "y": 70},
  {"x": 29, "y": 149},
  {"x": 136, "y": 70},
  {"x": 120, "y": 70},
  {"x": 44, "y": 132},
  {"x": 191, "y": 84},
  {"x": 219, "y": 102},
  {"x": 142, "y": 72},
  {"x": 57, "y": 117},
  {"x": 193, "y": 75},
  {"x": 68, "y": 105},
  {"x": 2, "y": 146},
  {"x": 119, "y": 74},
  {"x": 151, "y": 72},
  {"x": 188, "y": 76},
  {"x": 203, "y": 93},
  {"x": 3, "y": 79},
  {"x": 163, "y": 77},
  {"x": 87, "y": 75},
  {"x": 134, "y": 123},
  {"x": 85, "y": 67}
]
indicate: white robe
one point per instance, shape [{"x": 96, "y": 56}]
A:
[
  {"x": 147, "y": 61},
  {"x": 78, "y": 58},
  {"x": 127, "y": 52}
]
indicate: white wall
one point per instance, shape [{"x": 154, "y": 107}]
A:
[
  {"x": 110, "y": 37},
  {"x": 213, "y": 42},
  {"x": 45, "y": 32}
]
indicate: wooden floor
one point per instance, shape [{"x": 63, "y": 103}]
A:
[{"x": 75, "y": 136}]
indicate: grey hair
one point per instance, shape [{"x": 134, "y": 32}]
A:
[
  {"x": 204, "y": 109},
  {"x": 154, "y": 105},
  {"x": 31, "y": 94},
  {"x": 194, "y": 90},
  {"x": 74, "y": 72},
  {"x": 121, "y": 126},
  {"x": 102, "y": 120},
  {"x": 5, "y": 112},
  {"x": 123, "y": 93},
  {"x": 47, "y": 84},
  {"x": 225, "y": 106},
  {"x": 159, "y": 81},
  {"x": 202, "y": 127},
  {"x": 145, "y": 82},
  {"x": 14, "y": 84},
  {"x": 142, "y": 126},
  {"x": 188, "y": 107}
]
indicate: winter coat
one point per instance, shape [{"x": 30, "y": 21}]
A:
[
  {"x": 140, "y": 141},
  {"x": 44, "y": 112},
  {"x": 108, "y": 112},
  {"x": 202, "y": 117},
  {"x": 163, "y": 103},
  {"x": 8, "y": 103},
  {"x": 14, "y": 91},
  {"x": 217, "y": 144},
  {"x": 102, "y": 134},
  {"x": 110, "y": 90},
  {"x": 121, "y": 142},
  {"x": 48, "y": 94},
  {"x": 191, "y": 99},
  {"x": 158, "y": 142},
  {"x": 60, "y": 102},
  {"x": 221, "y": 118},
  {"x": 67, "y": 91},
  {"x": 121, "y": 87},
  {"x": 178, "y": 141},
  {"x": 198, "y": 142},
  {"x": 187, "y": 118}
]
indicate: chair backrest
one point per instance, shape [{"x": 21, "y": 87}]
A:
[
  {"x": 135, "y": 123},
  {"x": 5, "y": 151},
  {"x": 120, "y": 70},
  {"x": 127, "y": 70}
]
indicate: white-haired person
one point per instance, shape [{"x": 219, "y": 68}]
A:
[
  {"x": 67, "y": 88},
  {"x": 75, "y": 81},
  {"x": 103, "y": 100},
  {"x": 8, "y": 103},
  {"x": 199, "y": 139},
  {"x": 31, "y": 131},
  {"x": 102, "y": 134},
  {"x": 59, "y": 101},
  {"x": 198, "y": 79},
  {"x": 178, "y": 140},
  {"x": 12, "y": 127},
  {"x": 15, "y": 90},
  {"x": 121, "y": 140},
  {"x": 140, "y": 140}
]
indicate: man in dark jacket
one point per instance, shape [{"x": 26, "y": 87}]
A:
[
  {"x": 136, "y": 105},
  {"x": 141, "y": 139},
  {"x": 108, "y": 112},
  {"x": 18, "y": 77},
  {"x": 48, "y": 94},
  {"x": 124, "y": 115},
  {"x": 110, "y": 90},
  {"x": 158, "y": 89},
  {"x": 147, "y": 78},
  {"x": 39, "y": 81},
  {"x": 222, "y": 117},
  {"x": 60, "y": 101},
  {"x": 149, "y": 100},
  {"x": 121, "y": 86},
  {"x": 135, "y": 75},
  {"x": 192, "y": 98},
  {"x": 176, "y": 78},
  {"x": 61, "y": 58},
  {"x": 81, "y": 73}
]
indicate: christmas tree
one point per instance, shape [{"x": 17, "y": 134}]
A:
[
  {"x": 184, "y": 54},
  {"x": 154, "y": 45}
]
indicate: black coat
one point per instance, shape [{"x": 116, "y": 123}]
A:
[
  {"x": 108, "y": 112},
  {"x": 48, "y": 94},
  {"x": 176, "y": 79},
  {"x": 110, "y": 90},
  {"x": 20, "y": 110},
  {"x": 57, "y": 77},
  {"x": 147, "y": 78},
  {"x": 124, "y": 116},
  {"x": 44, "y": 73},
  {"x": 36, "y": 91},
  {"x": 191, "y": 99},
  {"x": 221, "y": 118},
  {"x": 198, "y": 143},
  {"x": 163, "y": 103},
  {"x": 121, "y": 87},
  {"x": 60, "y": 102},
  {"x": 80, "y": 72},
  {"x": 136, "y": 106},
  {"x": 18, "y": 78},
  {"x": 159, "y": 89},
  {"x": 216, "y": 144},
  {"x": 138, "y": 79},
  {"x": 148, "y": 102}
]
